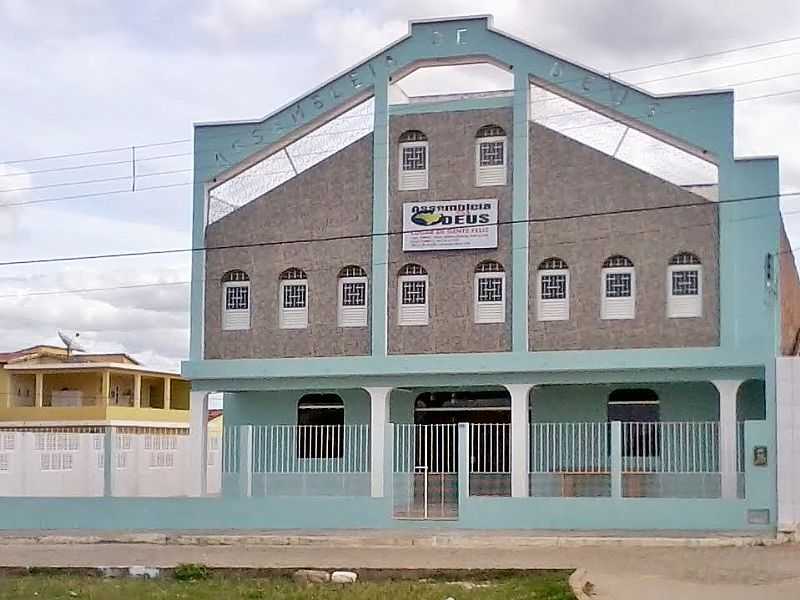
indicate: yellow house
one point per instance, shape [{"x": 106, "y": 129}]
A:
[{"x": 45, "y": 386}]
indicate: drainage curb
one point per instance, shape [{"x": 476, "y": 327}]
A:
[{"x": 366, "y": 541}]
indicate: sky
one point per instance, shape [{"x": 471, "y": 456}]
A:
[{"x": 79, "y": 76}]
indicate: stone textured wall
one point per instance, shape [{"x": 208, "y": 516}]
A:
[
  {"x": 790, "y": 296},
  {"x": 568, "y": 178},
  {"x": 333, "y": 198},
  {"x": 451, "y": 147}
]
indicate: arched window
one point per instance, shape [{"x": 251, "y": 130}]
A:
[
  {"x": 413, "y": 156},
  {"x": 293, "y": 313},
  {"x": 553, "y": 290},
  {"x": 684, "y": 286},
  {"x": 638, "y": 410},
  {"x": 491, "y": 162},
  {"x": 619, "y": 288},
  {"x": 489, "y": 292},
  {"x": 412, "y": 295},
  {"x": 235, "y": 300},
  {"x": 321, "y": 426},
  {"x": 353, "y": 296}
]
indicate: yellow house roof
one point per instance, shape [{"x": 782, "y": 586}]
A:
[{"x": 54, "y": 358}]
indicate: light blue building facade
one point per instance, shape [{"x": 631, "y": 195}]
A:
[{"x": 586, "y": 390}]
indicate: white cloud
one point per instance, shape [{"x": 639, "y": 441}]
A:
[{"x": 226, "y": 18}]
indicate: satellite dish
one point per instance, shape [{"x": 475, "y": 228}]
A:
[{"x": 71, "y": 343}]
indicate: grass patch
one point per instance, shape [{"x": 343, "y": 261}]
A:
[{"x": 546, "y": 586}]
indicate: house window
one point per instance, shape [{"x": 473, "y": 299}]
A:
[
  {"x": 235, "y": 300},
  {"x": 490, "y": 156},
  {"x": 638, "y": 410},
  {"x": 293, "y": 313},
  {"x": 413, "y": 168},
  {"x": 489, "y": 284},
  {"x": 321, "y": 426},
  {"x": 412, "y": 289},
  {"x": 352, "y": 297},
  {"x": 619, "y": 288},
  {"x": 684, "y": 286},
  {"x": 553, "y": 290}
]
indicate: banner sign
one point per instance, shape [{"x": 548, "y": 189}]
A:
[{"x": 449, "y": 225}]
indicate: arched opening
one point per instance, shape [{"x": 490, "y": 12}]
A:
[
  {"x": 751, "y": 401},
  {"x": 321, "y": 426}
]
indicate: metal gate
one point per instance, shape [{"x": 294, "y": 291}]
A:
[{"x": 425, "y": 471}]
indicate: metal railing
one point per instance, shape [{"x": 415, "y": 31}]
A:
[
  {"x": 570, "y": 447},
  {"x": 306, "y": 449},
  {"x": 490, "y": 448},
  {"x": 433, "y": 448},
  {"x": 670, "y": 447}
]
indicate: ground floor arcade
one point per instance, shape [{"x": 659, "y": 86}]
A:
[{"x": 429, "y": 452}]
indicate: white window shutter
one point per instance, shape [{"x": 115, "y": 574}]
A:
[
  {"x": 686, "y": 305},
  {"x": 494, "y": 310},
  {"x": 416, "y": 313},
  {"x": 293, "y": 318},
  {"x": 552, "y": 309},
  {"x": 623, "y": 307},
  {"x": 353, "y": 314},
  {"x": 413, "y": 179},
  {"x": 235, "y": 319},
  {"x": 491, "y": 174}
]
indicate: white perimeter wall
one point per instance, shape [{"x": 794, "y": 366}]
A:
[
  {"x": 787, "y": 372},
  {"x": 72, "y": 464}
]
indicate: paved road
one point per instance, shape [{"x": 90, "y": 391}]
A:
[{"x": 620, "y": 573}]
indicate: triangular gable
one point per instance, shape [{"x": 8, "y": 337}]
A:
[{"x": 224, "y": 149}]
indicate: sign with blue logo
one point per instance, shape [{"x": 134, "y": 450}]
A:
[{"x": 449, "y": 225}]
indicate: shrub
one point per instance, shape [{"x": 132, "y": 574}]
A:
[{"x": 191, "y": 572}]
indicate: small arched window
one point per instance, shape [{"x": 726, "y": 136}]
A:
[
  {"x": 413, "y": 157},
  {"x": 684, "y": 286},
  {"x": 412, "y": 295},
  {"x": 491, "y": 164},
  {"x": 619, "y": 288},
  {"x": 293, "y": 313},
  {"x": 489, "y": 292},
  {"x": 553, "y": 290},
  {"x": 321, "y": 426},
  {"x": 235, "y": 300},
  {"x": 353, "y": 296}
]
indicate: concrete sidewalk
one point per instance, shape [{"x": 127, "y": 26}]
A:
[{"x": 619, "y": 571}]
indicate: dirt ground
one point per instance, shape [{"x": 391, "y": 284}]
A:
[{"x": 619, "y": 573}]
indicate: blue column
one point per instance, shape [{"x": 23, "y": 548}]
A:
[
  {"x": 520, "y": 211},
  {"x": 463, "y": 462},
  {"x": 616, "y": 459},
  {"x": 197, "y": 313},
  {"x": 380, "y": 213},
  {"x": 108, "y": 456}
]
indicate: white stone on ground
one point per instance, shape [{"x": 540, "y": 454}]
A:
[{"x": 311, "y": 576}]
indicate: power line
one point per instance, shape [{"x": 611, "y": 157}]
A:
[
  {"x": 402, "y": 260},
  {"x": 719, "y": 68},
  {"x": 708, "y": 55},
  {"x": 127, "y": 161},
  {"x": 628, "y": 70},
  {"x": 172, "y": 185},
  {"x": 387, "y": 233},
  {"x": 90, "y": 181},
  {"x": 100, "y": 289}
]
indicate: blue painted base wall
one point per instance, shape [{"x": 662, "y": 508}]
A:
[{"x": 369, "y": 513}]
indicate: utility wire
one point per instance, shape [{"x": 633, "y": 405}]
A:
[
  {"x": 248, "y": 175},
  {"x": 387, "y": 233},
  {"x": 402, "y": 260},
  {"x": 628, "y": 70}
]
